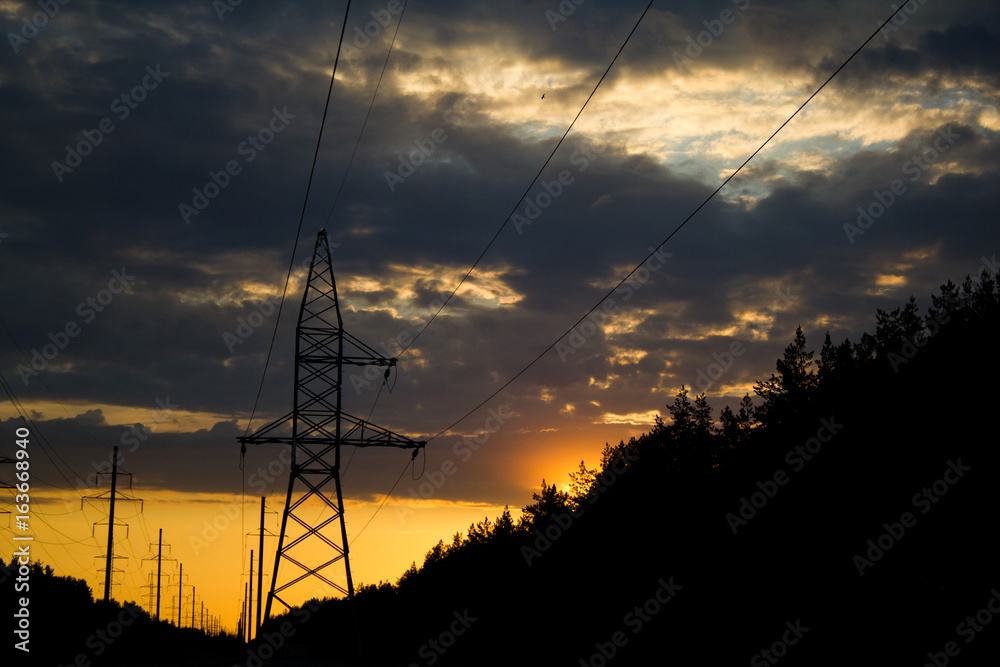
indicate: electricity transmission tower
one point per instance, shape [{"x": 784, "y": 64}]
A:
[
  {"x": 154, "y": 598},
  {"x": 112, "y": 496},
  {"x": 315, "y": 429},
  {"x": 3, "y": 484}
]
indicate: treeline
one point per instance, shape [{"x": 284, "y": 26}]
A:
[
  {"x": 733, "y": 530},
  {"x": 709, "y": 540},
  {"x": 67, "y": 626}
]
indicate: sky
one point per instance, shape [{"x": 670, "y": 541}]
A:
[{"x": 155, "y": 162}]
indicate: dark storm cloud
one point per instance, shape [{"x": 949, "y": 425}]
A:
[{"x": 937, "y": 57}]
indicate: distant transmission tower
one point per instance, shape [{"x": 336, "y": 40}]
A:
[
  {"x": 315, "y": 429},
  {"x": 112, "y": 496}
]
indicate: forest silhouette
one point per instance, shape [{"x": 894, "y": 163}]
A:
[{"x": 843, "y": 514}]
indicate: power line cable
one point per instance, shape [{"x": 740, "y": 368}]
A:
[
  {"x": 53, "y": 394},
  {"x": 370, "y": 412},
  {"x": 288, "y": 277},
  {"x": 343, "y": 180},
  {"x": 364, "y": 124},
  {"x": 651, "y": 254},
  {"x": 496, "y": 235},
  {"x": 302, "y": 215},
  {"x": 671, "y": 235},
  {"x": 340, "y": 188},
  {"x": 530, "y": 185},
  {"x": 401, "y": 472},
  {"x": 72, "y": 418},
  {"x": 43, "y": 443}
]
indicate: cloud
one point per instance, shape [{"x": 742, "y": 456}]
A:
[{"x": 767, "y": 254}]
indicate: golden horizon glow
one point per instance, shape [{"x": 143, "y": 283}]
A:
[{"x": 212, "y": 525}]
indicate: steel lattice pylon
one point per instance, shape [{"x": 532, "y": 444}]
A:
[{"x": 318, "y": 429}]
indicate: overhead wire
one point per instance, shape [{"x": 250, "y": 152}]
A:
[
  {"x": 648, "y": 256},
  {"x": 669, "y": 236},
  {"x": 70, "y": 540},
  {"x": 369, "y": 419},
  {"x": 72, "y": 418},
  {"x": 496, "y": 234},
  {"x": 43, "y": 443},
  {"x": 530, "y": 185},
  {"x": 288, "y": 277},
  {"x": 41, "y": 379},
  {"x": 302, "y": 215},
  {"x": 368, "y": 113},
  {"x": 343, "y": 180},
  {"x": 401, "y": 473}
]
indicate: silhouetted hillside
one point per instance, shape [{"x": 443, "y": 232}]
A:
[{"x": 842, "y": 516}]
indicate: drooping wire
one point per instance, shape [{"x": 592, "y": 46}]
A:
[
  {"x": 671, "y": 235},
  {"x": 530, "y": 185},
  {"x": 423, "y": 468},
  {"x": 401, "y": 473}
]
